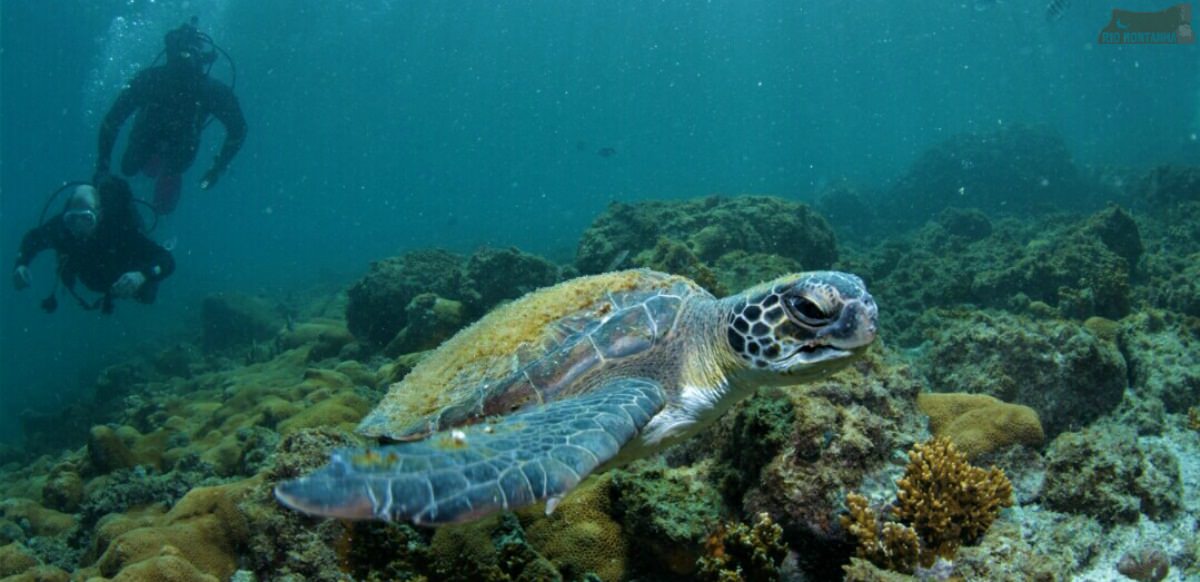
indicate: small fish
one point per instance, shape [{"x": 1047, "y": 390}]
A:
[
  {"x": 606, "y": 152},
  {"x": 1055, "y": 9}
]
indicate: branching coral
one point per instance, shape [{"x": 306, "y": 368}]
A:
[
  {"x": 942, "y": 502},
  {"x": 946, "y": 500},
  {"x": 739, "y": 552},
  {"x": 888, "y": 545}
]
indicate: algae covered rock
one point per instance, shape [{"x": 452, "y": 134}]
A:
[
  {"x": 1161, "y": 351},
  {"x": 376, "y": 308},
  {"x": 15, "y": 558},
  {"x": 740, "y": 269},
  {"x": 1058, "y": 368},
  {"x": 1013, "y": 169},
  {"x": 233, "y": 320},
  {"x": 1106, "y": 472},
  {"x": 63, "y": 490},
  {"x": 1167, "y": 185},
  {"x": 837, "y": 434},
  {"x": 710, "y": 227},
  {"x": 429, "y": 320},
  {"x": 494, "y": 275},
  {"x": 403, "y": 292},
  {"x": 494, "y": 548},
  {"x": 107, "y": 451},
  {"x": 1082, "y": 270},
  {"x": 668, "y": 514}
]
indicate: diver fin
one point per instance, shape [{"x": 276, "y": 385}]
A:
[{"x": 465, "y": 473}]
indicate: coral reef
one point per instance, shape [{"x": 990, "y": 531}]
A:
[
  {"x": 834, "y": 435},
  {"x": 15, "y": 559},
  {"x": 1086, "y": 321},
  {"x": 672, "y": 256},
  {"x": 1013, "y": 169},
  {"x": 669, "y": 512},
  {"x": 1058, "y": 368},
  {"x": 978, "y": 424},
  {"x": 494, "y": 275},
  {"x": 203, "y": 531},
  {"x": 582, "y": 536},
  {"x": 429, "y": 320},
  {"x": 739, "y": 552},
  {"x": 889, "y": 545},
  {"x": 376, "y": 310},
  {"x": 397, "y": 288},
  {"x": 1006, "y": 554},
  {"x": 1080, "y": 269},
  {"x": 235, "y": 320},
  {"x": 710, "y": 228},
  {"x": 1051, "y": 267},
  {"x": 1165, "y": 186},
  {"x": 942, "y": 502},
  {"x": 1105, "y": 471},
  {"x": 740, "y": 270},
  {"x": 1160, "y": 349},
  {"x": 946, "y": 501}
]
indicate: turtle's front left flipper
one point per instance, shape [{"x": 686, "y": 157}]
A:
[{"x": 460, "y": 474}]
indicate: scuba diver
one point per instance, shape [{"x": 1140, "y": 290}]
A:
[
  {"x": 173, "y": 102},
  {"x": 98, "y": 240}
]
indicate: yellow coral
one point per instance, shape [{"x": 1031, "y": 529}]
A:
[
  {"x": 581, "y": 532},
  {"x": 942, "y": 502},
  {"x": 888, "y": 545},
  {"x": 737, "y": 552},
  {"x": 205, "y": 528},
  {"x": 946, "y": 500},
  {"x": 978, "y": 424}
]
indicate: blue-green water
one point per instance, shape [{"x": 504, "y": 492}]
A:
[{"x": 382, "y": 126}]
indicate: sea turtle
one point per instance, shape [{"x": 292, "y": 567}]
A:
[{"x": 585, "y": 375}]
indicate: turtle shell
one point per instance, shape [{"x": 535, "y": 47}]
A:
[{"x": 550, "y": 344}]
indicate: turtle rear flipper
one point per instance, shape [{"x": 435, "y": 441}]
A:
[{"x": 461, "y": 474}]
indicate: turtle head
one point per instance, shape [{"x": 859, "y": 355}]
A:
[{"x": 803, "y": 325}]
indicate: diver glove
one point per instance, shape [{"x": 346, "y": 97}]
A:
[
  {"x": 210, "y": 179},
  {"x": 128, "y": 284},
  {"x": 21, "y": 277}
]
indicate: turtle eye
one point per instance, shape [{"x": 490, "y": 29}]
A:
[{"x": 807, "y": 310}]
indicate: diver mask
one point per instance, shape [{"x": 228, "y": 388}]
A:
[
  {"x": 83, "y": 212},
  {"x": 186, "y": 45}
]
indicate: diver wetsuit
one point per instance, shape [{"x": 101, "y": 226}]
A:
[
  {"x": 116, "y": 247},
  {"x": 173, "y": 102}
]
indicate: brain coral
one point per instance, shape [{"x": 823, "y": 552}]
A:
[{"x": 978, "y": 424}]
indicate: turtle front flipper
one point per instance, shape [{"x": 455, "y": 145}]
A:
[{"x": 465, "y": 473}]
